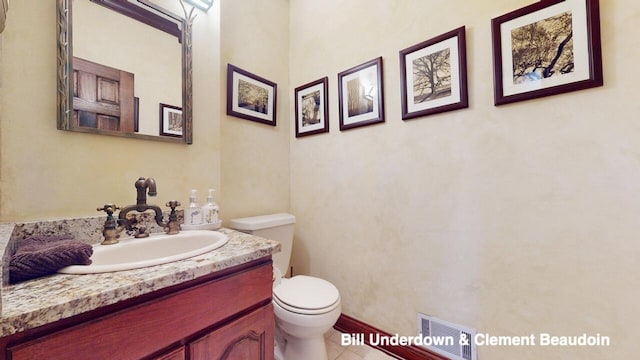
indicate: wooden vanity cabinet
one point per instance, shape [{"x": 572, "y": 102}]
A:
[{"x": 226, "y": 315}]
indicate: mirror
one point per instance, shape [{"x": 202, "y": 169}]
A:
[{"x": 125, "y": 70}]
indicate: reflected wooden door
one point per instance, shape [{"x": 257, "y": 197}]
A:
[{"x": 102, "y": 97}]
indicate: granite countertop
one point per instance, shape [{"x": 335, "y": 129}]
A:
[
  {"x": 45, "y": 300},
  {"x": 5, "y": 235}
]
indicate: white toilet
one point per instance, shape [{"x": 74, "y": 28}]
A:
[{"x": 305, "y": 307}]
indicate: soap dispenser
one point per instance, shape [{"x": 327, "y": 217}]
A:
[
  {"x": 193, "y": 214},
  {"x": 210, "y": 209}
]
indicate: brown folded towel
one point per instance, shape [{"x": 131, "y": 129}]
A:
[{"x": 41, "y": 255}]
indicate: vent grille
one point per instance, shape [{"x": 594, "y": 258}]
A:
[
  {"x": 437, "y": 330},
  {"x": 467, "y": 353}
]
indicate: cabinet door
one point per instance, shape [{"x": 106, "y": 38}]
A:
[
  {"x": 177, "y": 354},
  {"x": 247, "y": 338}
]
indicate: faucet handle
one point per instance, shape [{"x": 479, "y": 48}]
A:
[
  {"x": 109, "y": 209},
  {"x": 173, "y": 226},
  {"x": 173, "y": 204}
]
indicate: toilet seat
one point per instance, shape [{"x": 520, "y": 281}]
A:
[
  {"x": 277, "y": 277},
  {"x": 307, "y": 295}
]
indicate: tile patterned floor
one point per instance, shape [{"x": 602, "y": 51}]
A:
[{"x": 336, "y": 351}]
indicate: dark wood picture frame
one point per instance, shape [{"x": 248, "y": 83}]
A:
[
  {"x": 136, "y": 114},
  {"x": 361, "y": 95},
  {"x": 170, "y": 120},
  {"x": 250, "y": 96},
  {"x": 312, "y": 107},
  {"x": 433, "y": 75},
  {"x": 573, "y": 63}
]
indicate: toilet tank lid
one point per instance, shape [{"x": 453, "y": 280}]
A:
[{"x": 262, "y": 221}]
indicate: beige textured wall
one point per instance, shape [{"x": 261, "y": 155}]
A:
[
  {"x": 46, "y": 173},
  {"x": 511, "y": 220},
  {"x": 255, "y": 156}
]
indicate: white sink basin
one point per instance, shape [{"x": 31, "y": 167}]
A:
[{"x": 131, "y": 253}]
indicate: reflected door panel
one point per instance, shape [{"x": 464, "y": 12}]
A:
[{"x": 102, "y": 97}]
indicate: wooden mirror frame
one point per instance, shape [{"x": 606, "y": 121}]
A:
[{"x": 65, "y": 66}]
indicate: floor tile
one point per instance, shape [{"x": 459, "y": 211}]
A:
[
  {"x": 333, "y": 335},
  {"x": 336, "y": 351},
  {"x": 349, "y": 355},
  {"x": 375, "y": 354},
  {"x": 360, "y": 350}
]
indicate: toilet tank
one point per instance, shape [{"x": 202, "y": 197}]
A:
[{"x": 277, "y": 227}]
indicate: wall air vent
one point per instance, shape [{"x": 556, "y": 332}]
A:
[{"x": 451, "y": 340}]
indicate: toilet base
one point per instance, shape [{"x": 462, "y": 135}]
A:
[
  {"x": 279, "y": 344},
  {"x": 292, "y": 348},
  {"x": 308, "y": 349}
]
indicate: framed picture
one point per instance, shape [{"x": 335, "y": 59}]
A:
[
  {"x": 136, "y": 114},
  {"x": 433, "y": 75},
  {"x": 312, "y": 108},
  {"x": 546, "y": 48},
  {"x": 360, "y": 94},
  {"x": 250, "y": 96},
  {"x": 170, "y": 120}
]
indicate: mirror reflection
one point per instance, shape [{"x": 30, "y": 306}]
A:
[
  {"x": 124, "y": 73},
  {"x": 145, "y": 66}
]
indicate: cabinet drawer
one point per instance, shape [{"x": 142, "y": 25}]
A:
[{"x": 154, "y": 325}]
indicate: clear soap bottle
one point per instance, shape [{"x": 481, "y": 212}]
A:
[
  {"x": 210, "y": 209},
  {"x": 193, "y": 214}
]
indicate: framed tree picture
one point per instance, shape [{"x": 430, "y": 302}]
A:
[
  {"x": 546, "y": 48},
  {"x": 250, "y": 96},
  {"x": 433, "y": 75},
  {"x": 360, "y": 94},
  {"x": 312, "y": 108},
  {"x": 170, "y": 120}
]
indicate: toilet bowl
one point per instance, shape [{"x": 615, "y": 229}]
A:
[{"x": 305, "y": 307}]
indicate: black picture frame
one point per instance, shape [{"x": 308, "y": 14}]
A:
[
  {"x": 524, "y": 71},
  {"x": 361, "y": 95},
  {"x": 250, "y": 96},
  {"x": 136, "y": 114},
  {"x": 312, "y": 107},
  {"x": 433, "y": 75},
  {"x": 170, "y": 120}
]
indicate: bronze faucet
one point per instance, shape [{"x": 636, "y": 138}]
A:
[
  {"x": 112, "y": 228},
  {"x": 142, "y": 185}
]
